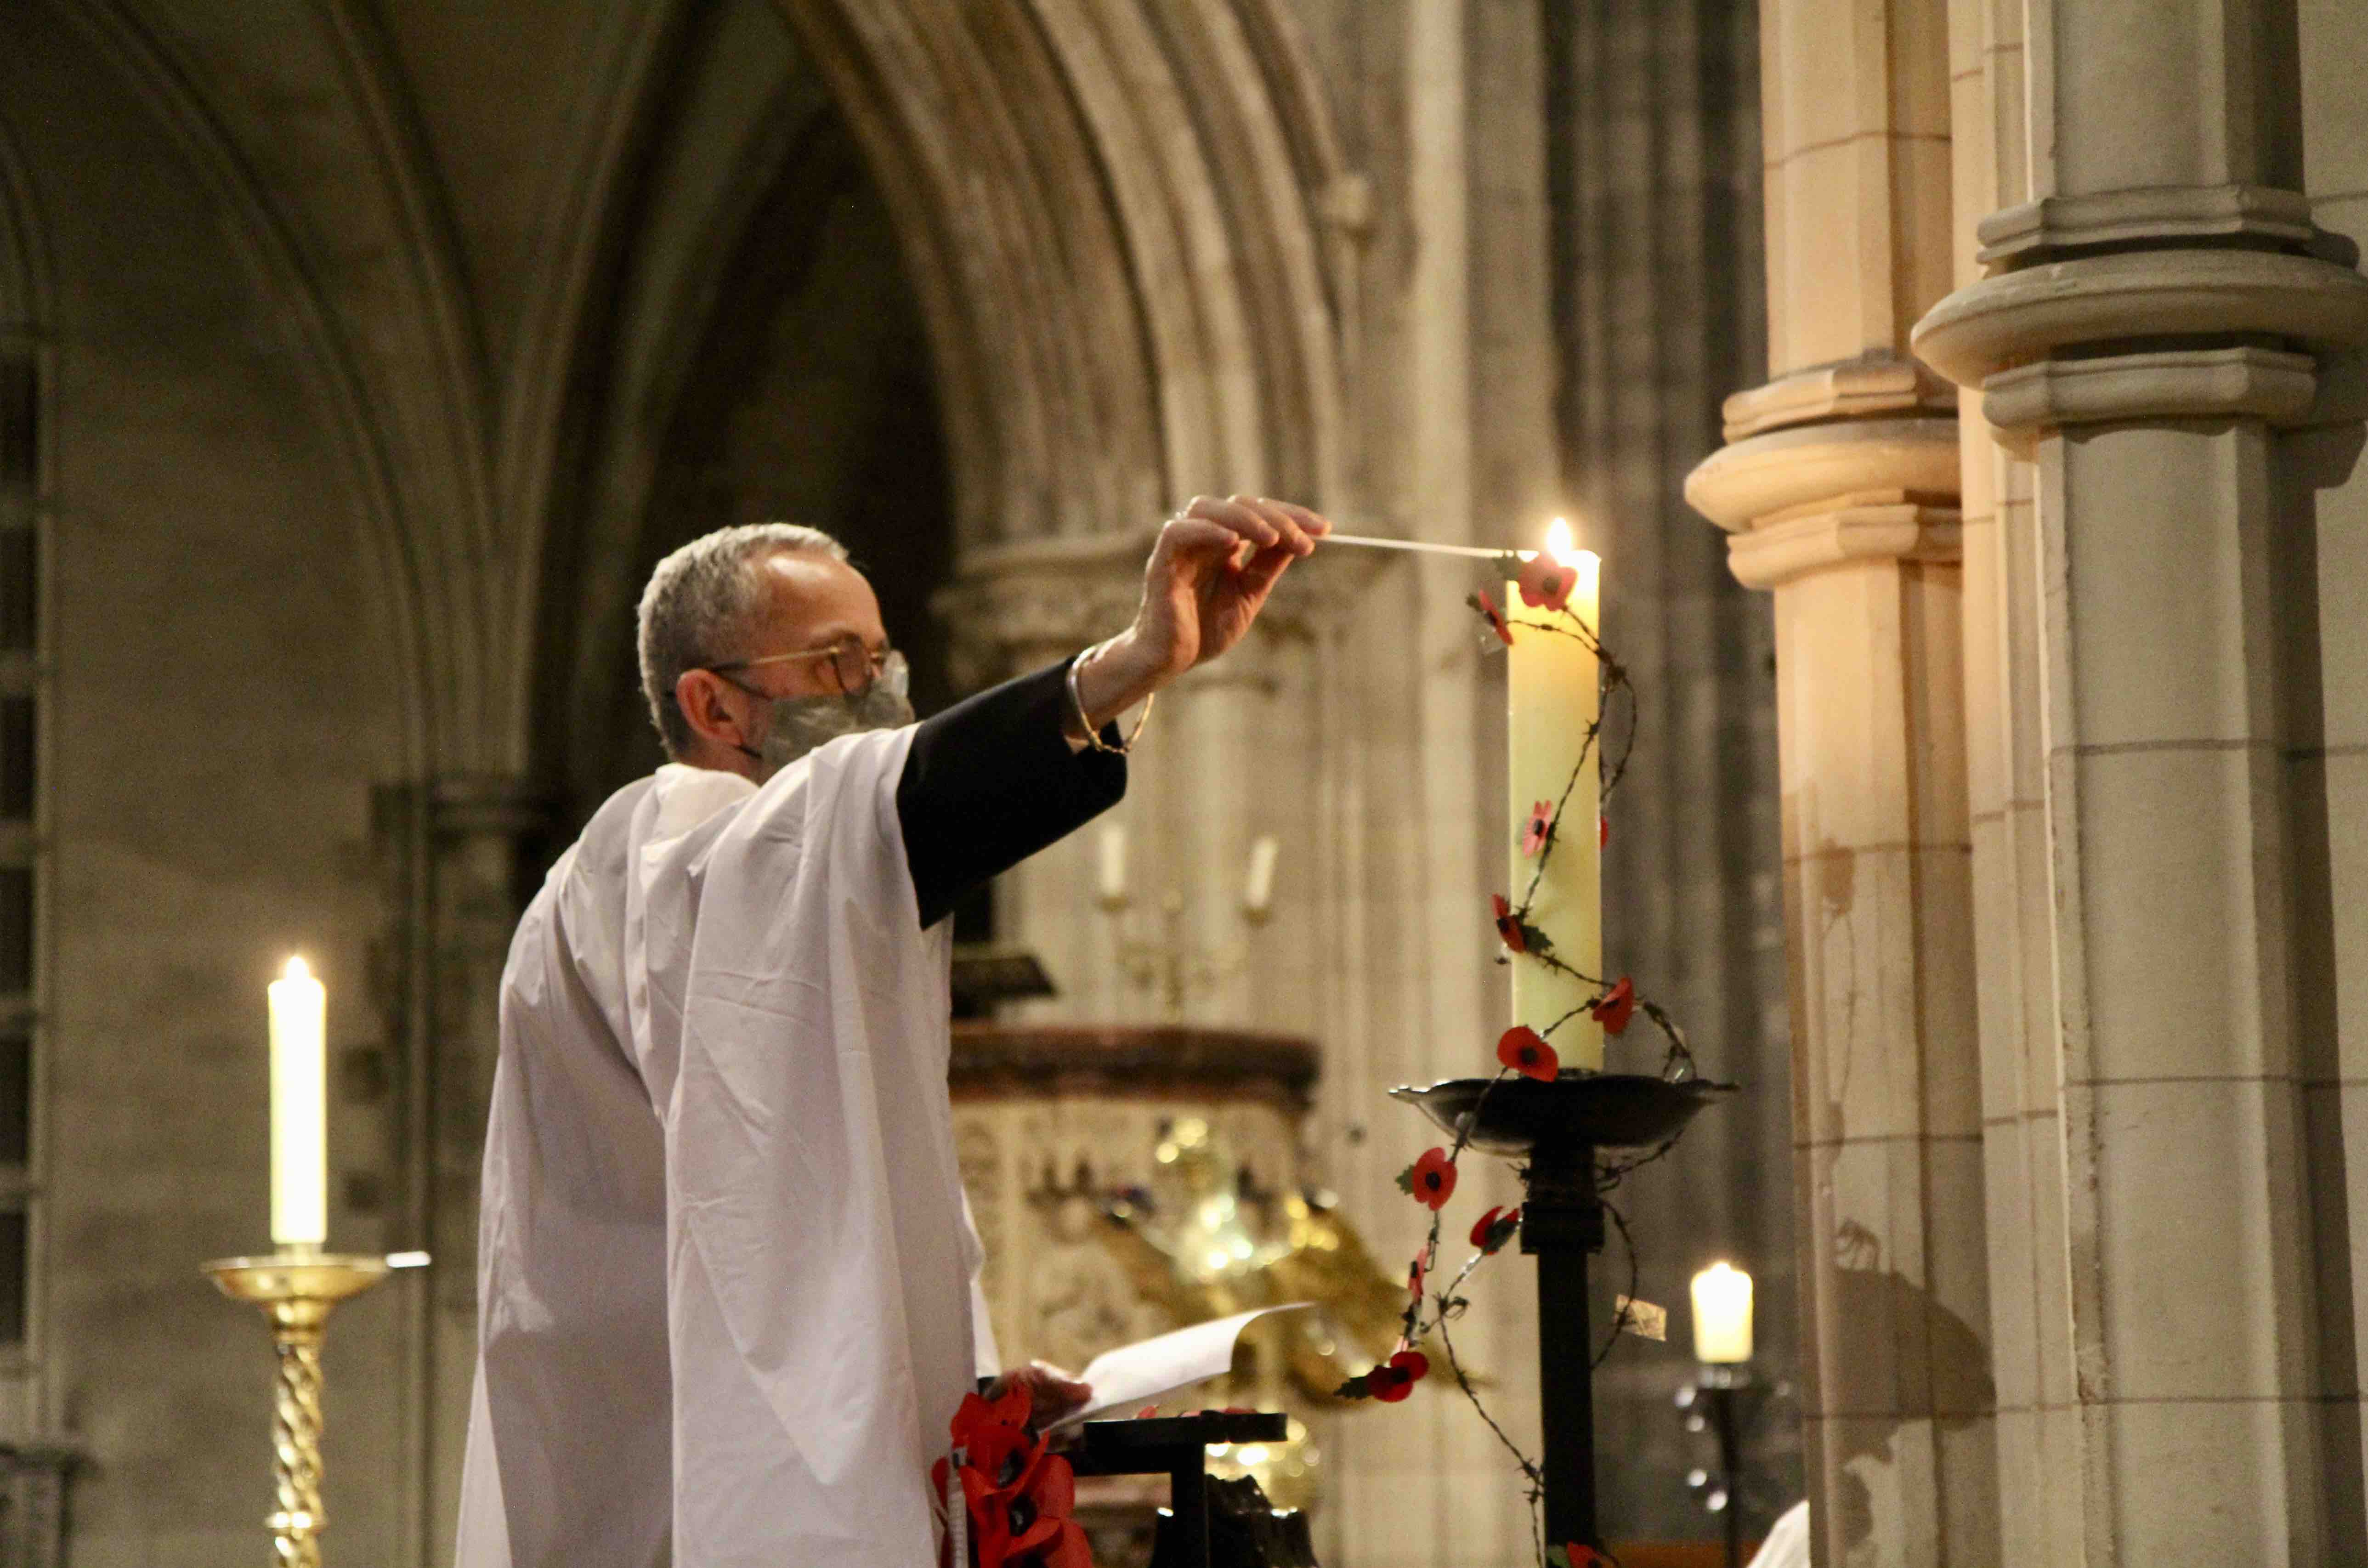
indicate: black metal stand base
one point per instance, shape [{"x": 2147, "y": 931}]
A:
[
  {"x": 1562, "y": 1226},
  {"x": 1558, "y": 1126},
  {"x": 1208, "y": 1523}
]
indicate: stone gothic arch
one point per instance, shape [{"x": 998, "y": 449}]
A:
[
  {"x": 1115, "y": 233},
  {"x": 1124, "y": 223}
]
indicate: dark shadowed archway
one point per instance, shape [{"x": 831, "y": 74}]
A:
[{"x": 806, "y": 394}]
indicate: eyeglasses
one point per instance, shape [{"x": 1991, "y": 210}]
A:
[{"x": 853, "y": 667}]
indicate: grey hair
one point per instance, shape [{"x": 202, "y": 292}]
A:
[{"x": 697, "y": 608}]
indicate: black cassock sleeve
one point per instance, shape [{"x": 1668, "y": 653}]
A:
[{"x": 990, "y": 781}]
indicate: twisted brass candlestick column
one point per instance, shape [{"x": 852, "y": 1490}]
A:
[{"x": 297, "y": 1289}]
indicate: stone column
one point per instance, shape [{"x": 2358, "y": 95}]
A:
[
  {"x": 2150, "y": 319},
  {"x": 1839, "y": 486},
  {"x": 450, "y": 852},
  {"x": 2021, "y": 1137},
  {"x": 2323, "y": 520}
]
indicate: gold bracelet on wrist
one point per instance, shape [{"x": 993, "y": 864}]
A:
[{"x": 1094, "y": 740}]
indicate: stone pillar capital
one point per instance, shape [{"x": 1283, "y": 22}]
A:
[
  {"x": 2157, "y": 216},
  {"x": 1016, "y": 606},
  {"x": 2185, "y": 332},
  {"x": 1875, "y": 385},
  {"x": 1802, "y": 498}
]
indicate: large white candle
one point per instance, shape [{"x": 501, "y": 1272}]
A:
[
  {"x": 300, "y": 1108},
  {"x": 1722, "y": 1314},
  {"x": 1550, "y": 702}
]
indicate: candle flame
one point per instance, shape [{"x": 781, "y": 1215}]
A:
[
  {"x": 296, "y": 970},
  {"x": 1559, "y": 543}
]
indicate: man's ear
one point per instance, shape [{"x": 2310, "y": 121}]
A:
[{"x": 700, "y": 693}]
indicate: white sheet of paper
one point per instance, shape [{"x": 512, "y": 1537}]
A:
[{"x": 1138, "y": 1373}]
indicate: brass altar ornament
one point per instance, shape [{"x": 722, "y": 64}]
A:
[
  {"x": 1198, "y": 1247},
  {"x": 297, "y": 1287}
]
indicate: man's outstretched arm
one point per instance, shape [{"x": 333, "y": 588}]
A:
[{"x": 994, "y": 779}]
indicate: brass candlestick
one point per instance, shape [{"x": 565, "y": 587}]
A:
[
  {"x": 297, "y": 1289},
  {"x": 1174, "y": 967}
]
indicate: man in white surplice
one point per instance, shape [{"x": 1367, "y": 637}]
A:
[{"x": 726, "y": 1272}]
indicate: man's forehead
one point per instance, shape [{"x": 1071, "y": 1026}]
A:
[{"x": 812, "y": 596}]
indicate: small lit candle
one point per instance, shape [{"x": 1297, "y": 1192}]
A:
[
  {"x": 1113, "y": 866},
  {"x": 1722, "y": 1314},
  {"x": 1257, "y": 894},
  {"x": 300, "y": 1108}
]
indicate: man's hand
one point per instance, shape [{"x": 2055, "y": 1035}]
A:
[
  {"x": 1209, "y": 576},
  {"x": 1051, "y": 1392}
]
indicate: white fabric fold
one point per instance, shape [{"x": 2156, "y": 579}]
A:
[{"x": 727, "y": 1272}]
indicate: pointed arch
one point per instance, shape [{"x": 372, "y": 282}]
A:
[{"x": 1114, "y": 212}]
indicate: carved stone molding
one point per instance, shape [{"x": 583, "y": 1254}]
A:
[
  {"x": 2264, "y": 383},
  {"x": 1016, "y": 605},
  {"x": 1779, "y": 552},
  {"x": 1876, "y": 383},
  {"x": 2021, "y": 317},
  {"x": 2157, "y": 215},
  {"x": 1132, "y": 1063},
  {"x": 1783, "y": 473},
  {"x": 1802, "y": 498}
]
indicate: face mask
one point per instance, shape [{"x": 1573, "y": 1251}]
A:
[{"x": 796, "y": 725}]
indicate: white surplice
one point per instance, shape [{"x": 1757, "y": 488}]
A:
[{"x": 726, "y": 1275}]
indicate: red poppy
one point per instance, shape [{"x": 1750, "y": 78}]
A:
[
  {"x": 1394, "y": 1379},
  {"x": 1020, "y": 1496},
  {"x": 1030, "y": 1518},
  {"x": 1430, "y": 1181},
  {"x": 1526, "y": 1051},
  {"x": 1573, "y": 1555},
  {"x": 1539, "y": 830},
  {"x": 1487, "y": 607},
  {"x": 1495, "y": 1228},
  {"x": 1602, "y": 831},
  {"x": 1546, "y": 582},
  {"x": 999, "y": 1458},
  {"x": 1615, "y": 1006},
  {"x": 1508, "y": 925},
  {"x": 993, "y": 1433},
  {"x": 977, "y": 1413}
]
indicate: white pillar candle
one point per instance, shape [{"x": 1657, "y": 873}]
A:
[
  {"x": 300, "y": 1108},
  {"x": 1257, "y": 894},
  {"x": 1722, "y": 1314},
  {"x": 1113, "y": 866},
  {"x": 1550, "y": 694}
]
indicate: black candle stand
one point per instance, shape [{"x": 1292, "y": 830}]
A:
[
  {"x": 1723, "y": 1400},
  {"x": 1558, "y": 1127}
]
